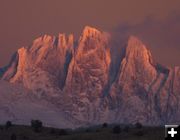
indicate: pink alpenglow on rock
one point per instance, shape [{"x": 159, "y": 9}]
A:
[{"x": 81, "y": 83}]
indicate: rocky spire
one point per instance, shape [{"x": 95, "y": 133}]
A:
[
  {"x": 137, "y": 62},
  {"x": 70, "y": 40},
  {"x": 42, "y": 57},
  {"x": 136, "y": 50},
  {"x": 90, "y": 32},
  {"x": 62, "y": 40},
  {"x": 89, "y": 69}
]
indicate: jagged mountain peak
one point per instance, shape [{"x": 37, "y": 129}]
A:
[
  {"x": 92, "y": 33},
  {"x": 92, "y": 39},
  {"x": 136, "y": 50},
  {"x": 137, "y": 65},
  {"x": 135, "y": 43},
  {"x": 71, "y": 40},
  {"x": 88, "y": 30},
  {"x": 60, "y": 40},
  {"x": 87, "y": 84},
  {"x": 134, "y": 39},
  {"x": 43, "y": 39},
  {"x": 48, "y": 57}
]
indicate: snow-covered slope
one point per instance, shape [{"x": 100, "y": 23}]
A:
[{"x": 76, "y": 83}]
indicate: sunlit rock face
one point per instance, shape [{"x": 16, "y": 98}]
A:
[
  {"x": 130, "y": 91},
  {"x": 43, "y": 66},
  {"x": 144, "y": 89},
  {"x": 89, "y": 68},
  {"x": 136, "y": 67},
  {"x": 83, "y": 81},
  {"x": 88, "y": 74}
]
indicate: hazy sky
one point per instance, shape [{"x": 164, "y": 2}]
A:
[{"x": 156, "y": 22}]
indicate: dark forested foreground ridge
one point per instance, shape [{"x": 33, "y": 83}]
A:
[{"x": 102, "y": 132}]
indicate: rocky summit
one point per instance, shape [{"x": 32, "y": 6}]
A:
[{"x": 80, "y": 83}]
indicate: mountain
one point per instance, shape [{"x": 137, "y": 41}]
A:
[
  {"x": 146, "y": 88},
  {"x": 81, "y": 82},
  {"x": 20, "y": 106}
]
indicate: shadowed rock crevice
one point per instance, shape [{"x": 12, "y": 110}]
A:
[
  {"x": 116, "y": 59},
  {"x": 162, "y": 69},
  {"x": 2, "y": 70},
  {"x": 56, "y": 42},
  {"x": 68, "y": 59},
  {"x": 10, "y": 70}
]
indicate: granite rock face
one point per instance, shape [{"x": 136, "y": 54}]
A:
[
  {"x": 76, "y": 77},
  {"x": 43, "y": 66}
]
